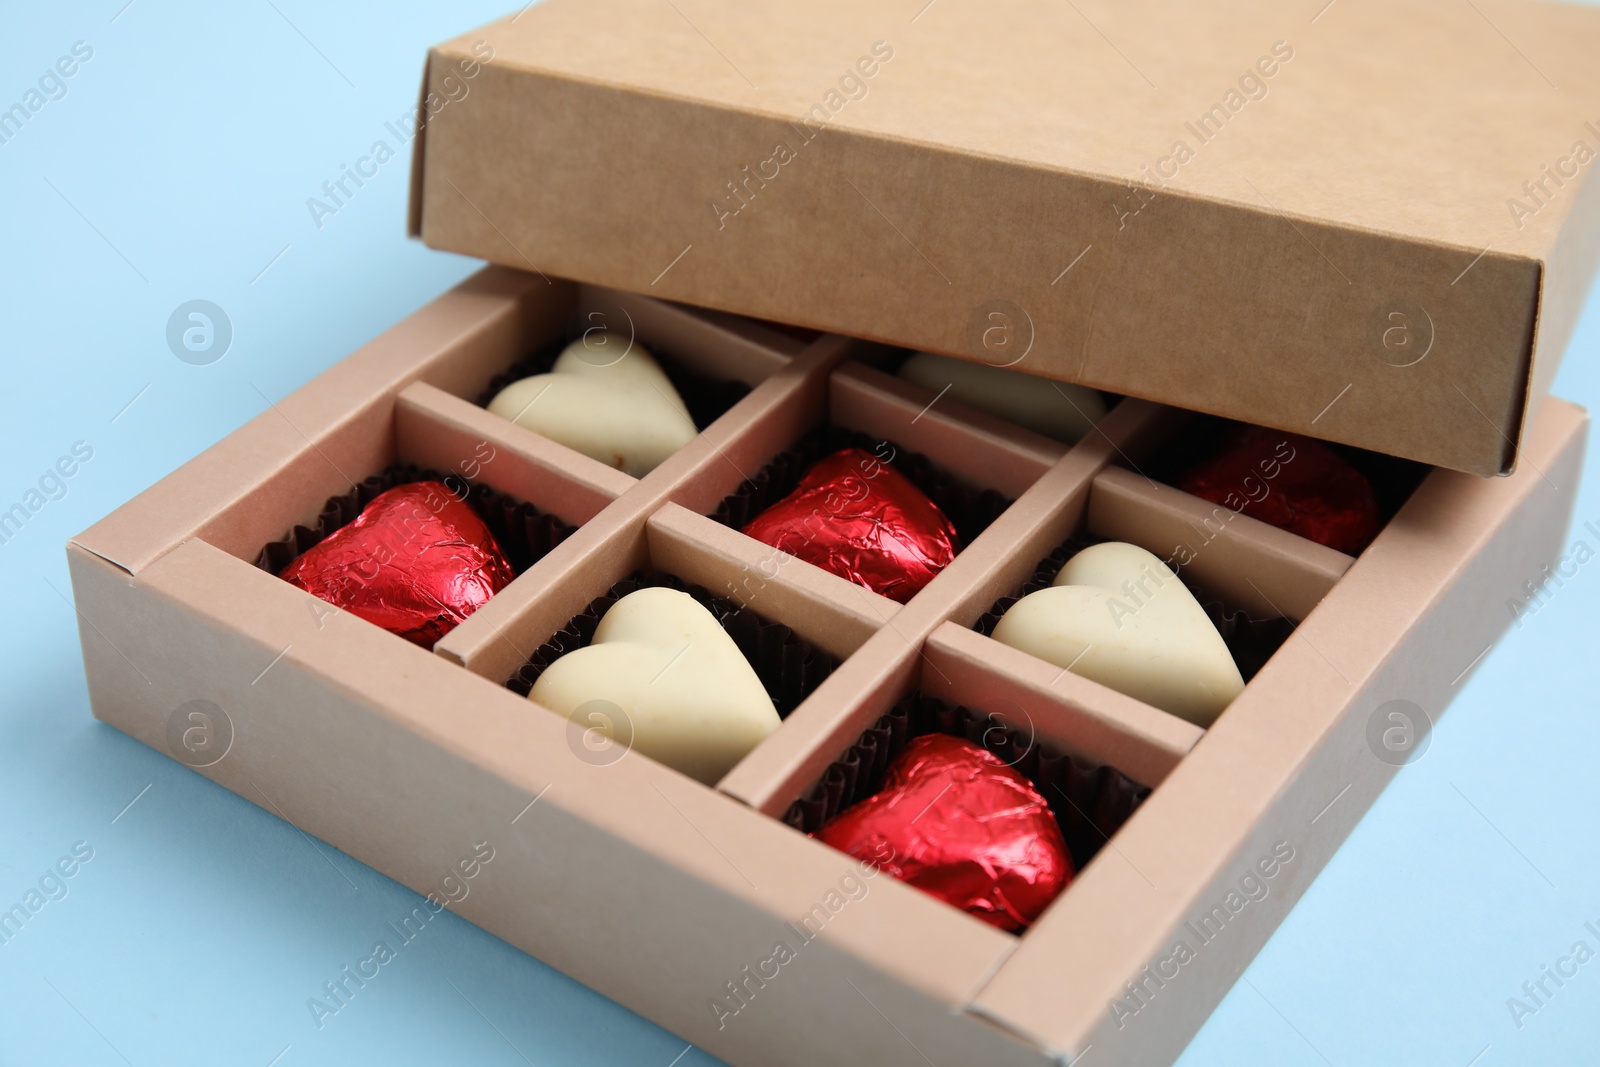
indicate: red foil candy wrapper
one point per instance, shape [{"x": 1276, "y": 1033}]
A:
[
  {"x": 959, "y": 824},
  {"x": 1292, "y": 482},
  {"x": 416, "y": 562},
  {"x": 858, "y": 517}
]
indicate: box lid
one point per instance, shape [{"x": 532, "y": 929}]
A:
[{"x": 1374, "y": 223}]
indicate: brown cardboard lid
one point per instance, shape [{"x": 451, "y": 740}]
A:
[{"x": 1373, "y": 222}]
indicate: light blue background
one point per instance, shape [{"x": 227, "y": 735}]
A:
[{"x": 178, "y": 166}]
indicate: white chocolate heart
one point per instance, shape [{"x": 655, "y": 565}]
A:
[
  {"x": 1118, "y": 615},
  {"x": 691, "y": 698},
  {"x": 1059, "y": 410},
  {"x": 605, "y": 397}
]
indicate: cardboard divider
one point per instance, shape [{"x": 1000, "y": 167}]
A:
[
  {"x": 435, "y": 429},
  {"x": 1289, "y": 768},
  {"x": 295, "y": 491},
  {"x": 1250, "y": 641},
  {"x": 432, "y": 430},
  {"x": 812, "y": 424},
  {"x": 780, "y": 336},
  {"x": 670, "y": 541},
  {"x": 786, "y": 663},
  {"x": 822, "y": 607},
  {"x": 870, "y": 402},
  {"x": 733, "y": 450},
  {"x": 543, "y": 313},
  {"x": 1094, "y": 727},
  {"x": 406, "y": 762},
  {"x": 1091, "y": 800},
  {"x": 522, "y": 531},
  {"x": 1075, "y": 713},
  {"x": 971, "y": 444},
  {"x": 400, "y": 757},
  {"x": 1008, "y": 459},
  {"x": 1057, "y": 506},
  {"x": 1193, "y": 444},
  {"x": 722, "y": 353},
  {"x": 499, "y": 638},
  {"x": 718, "y": 346},
  {"x": 1000, "y": 560},
  {"x": 1249, "y": 563}
]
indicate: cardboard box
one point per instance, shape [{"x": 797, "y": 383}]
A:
[
  {"x": 673, "y": 898},
  {"x": 1374, "y": 223}
]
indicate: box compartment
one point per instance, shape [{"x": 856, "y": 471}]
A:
[{"x": 410, "y": 760}]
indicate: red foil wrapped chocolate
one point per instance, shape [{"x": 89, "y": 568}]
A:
[
  {"x": 858, "y": 517},
  {"x": 1294, "y": 483},
  {"x": 416, "y": 562},
  {"x": 955, "y": 821}
]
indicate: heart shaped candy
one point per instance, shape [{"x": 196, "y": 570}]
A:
[
  {"x": 1059, "y": 410},
  {"x": 1294, "y": 483},
  {"x": 1118, "y": 615},
  {"x": 606, "y": 397},
  {"x": 858, "y": 517},
  {"x": 416, "y": 562},
  {"x": 956, "y": 822},
  {"x": 685, "y": 692}
]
